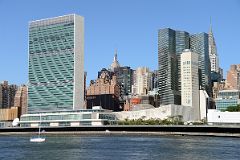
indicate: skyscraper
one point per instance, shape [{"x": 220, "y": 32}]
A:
[
  {"x": 213, "y": 52},
  {"x": 168, "y": 71},
  {"x": 56, "y": 75},
  {"x": 190, "y": 82},
  {"x": 171, "y": 44},
  {"x": 199, "y": 45},
  {"x": 182, "y": 43}
]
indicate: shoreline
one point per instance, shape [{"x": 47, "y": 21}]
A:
[
  {"x": 134, "y": 130},
  {"x": 122, "y": 133}
]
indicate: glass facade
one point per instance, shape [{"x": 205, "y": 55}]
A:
[
  {"x": 125, "y": 79},
  {"x": 51, "y": 64},
  {"x": 67, "y": 118},
  {"x": 167, "y": 62},
  {"x": 222, "y": 104},
  {"x": 227, "y": 98},
  {"x": 182, "y": 43},
  {"x": 199, "y": 45},
  {"x": 171, "y": 44}
]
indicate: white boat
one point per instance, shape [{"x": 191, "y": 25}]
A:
[{"x": 38, "y": 138}]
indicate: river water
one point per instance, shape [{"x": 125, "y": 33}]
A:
[{"x": 79, "y": 147}]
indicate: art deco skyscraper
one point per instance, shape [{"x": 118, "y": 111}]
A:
[
  {"x": 213, "y": 52},
  {"x": 56, "y": 75}
]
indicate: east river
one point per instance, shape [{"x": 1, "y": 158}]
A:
[{"x": 113, "y": 147}]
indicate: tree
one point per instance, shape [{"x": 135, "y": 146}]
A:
[{"x": 233, "y": 108}]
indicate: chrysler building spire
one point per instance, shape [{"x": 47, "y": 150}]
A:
[{"x": 213, "y": 56}]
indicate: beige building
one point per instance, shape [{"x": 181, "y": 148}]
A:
[
  {"x": 20, "y": 99},
  {"x": 19, "y": 106},
  {"x": 9, "y": 114},
  {"x": 217, "y": 86},
  {"x": 104, "y": 85},
  {"x": 233, "y": 77},
  {"x": 142, "y": 81},
  {"x": 190, "y": 82}
]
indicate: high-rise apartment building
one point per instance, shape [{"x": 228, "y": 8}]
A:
[
  {"x": 190, "y": 82},
  {"x": 143, "y": 81},
  {"x": 168, "y": 72},
  {"x": 233, "y": 77},
  {"x": 56, "y": 75},
  {"x": 7, "y": 94}
]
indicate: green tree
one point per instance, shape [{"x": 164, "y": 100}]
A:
[{"x": 233, "y": 108}]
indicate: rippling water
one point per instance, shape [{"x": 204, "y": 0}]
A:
[{"x": 70, "y": 147}]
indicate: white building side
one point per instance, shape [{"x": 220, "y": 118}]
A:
[{"x": 190, "y": 82}]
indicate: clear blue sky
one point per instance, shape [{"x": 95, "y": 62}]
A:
[{"x": 131, "y": 26}]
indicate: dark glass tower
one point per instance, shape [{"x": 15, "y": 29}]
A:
[
  {"x": 171, "y": 44},
  {"x": 182, "y": 43},
  {"x": 125, "y": 79},
  {"x": 167, "y": 62},
  {"x": 199, "y": 44}
]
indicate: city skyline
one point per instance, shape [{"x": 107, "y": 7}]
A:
[{"x": 105, "y": 32}]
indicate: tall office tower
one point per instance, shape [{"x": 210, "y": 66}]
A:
[
  {"x": 199, "y": 45},
  {"x": 143, "y": 81},
  {"x": 7, "y": 94},
  {"x": 233, "y": 77},
  {"x": 182, "y": 43},
  {"x": 213, "y": 52},
  {"x": 168, "y": 73},
  {"x": 56, "y": 75},
  {"x": 190, "y": 82}
]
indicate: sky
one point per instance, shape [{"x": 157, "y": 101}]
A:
[{"x": 130, "y": 26}]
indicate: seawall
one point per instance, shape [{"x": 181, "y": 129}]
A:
[{"x": 225, "y": 131}]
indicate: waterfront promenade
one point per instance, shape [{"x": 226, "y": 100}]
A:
[{"x": 198, "y": 130}]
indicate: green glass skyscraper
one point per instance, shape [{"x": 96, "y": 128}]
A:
[{"x": 56, "y": 56}]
